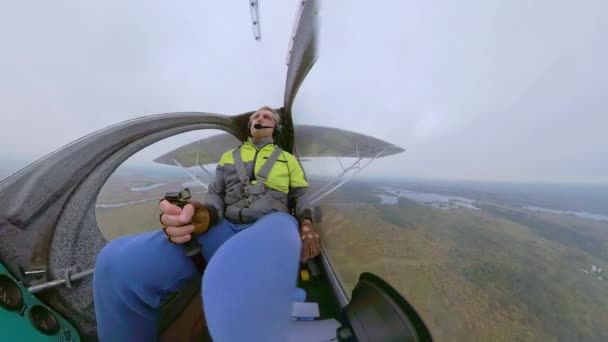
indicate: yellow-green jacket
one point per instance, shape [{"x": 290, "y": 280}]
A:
[{"x": 285, "y": 187}]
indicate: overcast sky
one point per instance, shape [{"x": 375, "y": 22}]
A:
[{"x": 489, "y": 90}]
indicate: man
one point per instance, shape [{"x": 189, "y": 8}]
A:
[{"x": 250, "y": 241}]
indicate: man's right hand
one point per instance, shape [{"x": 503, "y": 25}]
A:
[{"x": 177, "y": 221}]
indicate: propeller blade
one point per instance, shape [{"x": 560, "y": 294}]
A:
[{"x": 303, "y": 51}]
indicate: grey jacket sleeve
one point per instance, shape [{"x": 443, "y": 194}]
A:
[
  {"x": 303, "y": 208},
  {"x": 217, "y": 192}
]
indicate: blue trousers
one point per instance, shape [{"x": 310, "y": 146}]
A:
[{"x": 247, "y": 287}]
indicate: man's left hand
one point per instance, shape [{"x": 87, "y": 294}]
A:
[{"x": 311, "y": 241}]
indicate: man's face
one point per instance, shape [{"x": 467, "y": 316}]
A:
[{"x": 264, "y": 118}]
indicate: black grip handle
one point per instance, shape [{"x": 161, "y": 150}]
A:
[{"x": 180, "y": 199}]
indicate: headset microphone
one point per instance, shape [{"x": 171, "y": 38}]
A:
[{"x": 259, "y": 126}]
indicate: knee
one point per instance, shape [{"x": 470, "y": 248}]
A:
[
  {"x": 116, "y": 260},
  {"x": 282, "y": 227},
  {"x": 281, "y": 219},
  {"x": 108, "y": 259}
]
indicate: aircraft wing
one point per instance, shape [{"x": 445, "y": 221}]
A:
[
  {"x": 201, "y": 152},
  {"x": 318, "y": 141},
  {"x": 311, "y": 141}
]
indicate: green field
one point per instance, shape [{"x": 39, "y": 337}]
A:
[
  {"x": 138, "y": 217},
  {"x": 500, "y": 274}
]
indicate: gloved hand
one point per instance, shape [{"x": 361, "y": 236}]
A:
[
  {"x": 311, "y": 241},
  {"x": 179, "y": 223}
]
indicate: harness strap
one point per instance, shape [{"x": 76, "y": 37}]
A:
[
  {"x": 263, "y": 174},
  {"x": 240, "y": 166},
  {"x": 245, "y": 194}
]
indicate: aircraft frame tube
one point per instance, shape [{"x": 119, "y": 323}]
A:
[{"x": 47, "y": 209}]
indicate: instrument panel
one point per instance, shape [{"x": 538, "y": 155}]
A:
[{"x": 23, "y": 317}]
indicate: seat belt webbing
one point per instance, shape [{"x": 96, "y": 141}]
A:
[
  {"x": 240, "y": 166},
  {"x": 263, "y": 174}
]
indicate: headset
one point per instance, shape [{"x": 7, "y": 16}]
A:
[{"x": 275, "y": 133}]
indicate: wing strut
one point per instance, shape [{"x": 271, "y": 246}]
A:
[
  {"x": 355, "y": 163},
  {"x": 338, "y": 177},
  {"x": 339, "y": 162},
  {"x": 319, "y": 197},
  {"x": 189, "y": 174},
  {"x": 202, "y": 167}
]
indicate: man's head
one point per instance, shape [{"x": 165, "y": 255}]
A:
[{"x": 266, "y": 117}]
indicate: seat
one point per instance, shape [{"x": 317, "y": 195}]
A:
[
  {"x": 304, "y": 326},
  {"x": 313, "y": 331},
  {"x": 181, "y": 316},
  {"x": 183, "y": 320}
]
